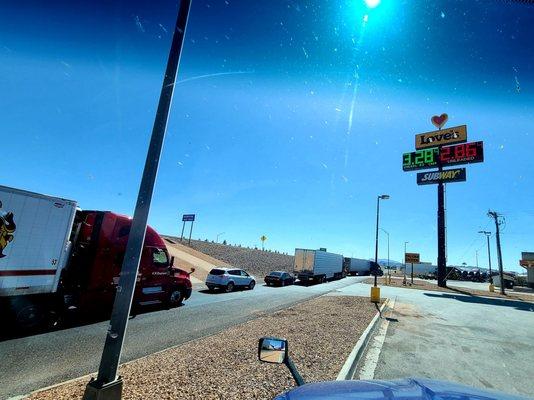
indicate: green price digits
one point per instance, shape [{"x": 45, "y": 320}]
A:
[{"x": 420, "y": 159}]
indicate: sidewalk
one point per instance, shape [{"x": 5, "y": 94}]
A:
[{"x": 478, "y": 341}]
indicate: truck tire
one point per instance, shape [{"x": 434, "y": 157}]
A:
[
  {"x": 176, "y": 298},
  {"x": 28, "y": 315},
  {"x": 230, "y": 287},
  {"x": 323, "y": 280}
]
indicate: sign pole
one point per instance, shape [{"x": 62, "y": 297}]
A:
[
  {"x": 412, "y": 275},
  {"x": 182, "y": 235},
  {"x": 442, "y": 262},
  {"x": 191, "y": 231},
  {"x": 108, "y": 385}
]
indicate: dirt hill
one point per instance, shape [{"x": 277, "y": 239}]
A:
[{"x": 255, "y": 262}]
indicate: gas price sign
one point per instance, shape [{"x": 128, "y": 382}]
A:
[
  {"x": 420, "y": 159},
  {"x": 465, "y": 153}
]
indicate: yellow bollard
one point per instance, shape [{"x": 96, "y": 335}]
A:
[
  {"x": 491, "y": 287},
  {"x": 375, "y": 294}
]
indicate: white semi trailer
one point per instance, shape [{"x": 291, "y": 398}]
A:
[{"x": 317, "y": 265}]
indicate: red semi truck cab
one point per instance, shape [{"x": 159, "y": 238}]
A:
[
  {"x": 90, "y": 279},
  {"x": 56, "y": 258}
]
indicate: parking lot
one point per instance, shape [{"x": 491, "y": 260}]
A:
[{"x": 478, "y": 341}]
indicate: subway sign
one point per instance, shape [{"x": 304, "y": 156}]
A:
[
  {"x": 443, "y": 137},
  {"x": 465, "y": 153},
  {"x": 446, "y": 176}
]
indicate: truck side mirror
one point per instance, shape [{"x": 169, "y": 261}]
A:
[
  {"x": 172, "y": 261},
  {"x": 272, "y": 350}
]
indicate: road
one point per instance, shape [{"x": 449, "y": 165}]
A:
[
  {"x": 38, "y": 361},
  {"x": 477, "y": 341}
]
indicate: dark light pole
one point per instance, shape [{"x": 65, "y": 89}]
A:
[
  {"x": 378, "y": 198},
  {"x": 488, "y": 234},
  {"x": 108, "y": 386}
]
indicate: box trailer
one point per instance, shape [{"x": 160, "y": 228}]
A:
[
  {"x": 317, "y": 265},
  {"x": 56, "y": 258},
  {"x": 35, "y": 246},
  {"x": 357, "y": 266}
]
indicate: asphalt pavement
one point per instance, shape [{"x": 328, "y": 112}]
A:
[
  {"x": 34, "y": 362},
  {"x": 478, "y": 341}
]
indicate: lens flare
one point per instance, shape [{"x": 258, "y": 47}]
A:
[{"x": 372, "y": 3}]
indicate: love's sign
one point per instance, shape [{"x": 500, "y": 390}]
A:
[
  {"x": 457, "y": 134},
  {"x": 439, "y": 120}
]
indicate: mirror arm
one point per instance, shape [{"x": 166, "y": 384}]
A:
[{"x": 296, "y": 376}]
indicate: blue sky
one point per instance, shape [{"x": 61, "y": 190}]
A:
[{"x": 259, "y": 139}]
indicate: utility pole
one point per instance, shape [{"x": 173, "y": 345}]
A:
[
  {"x": 476, "y": 257},
  {"x": 496, "y": 216},
  {"x": 107, "y": 385}
]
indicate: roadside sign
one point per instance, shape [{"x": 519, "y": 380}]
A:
[
  {"x": 526, "y": 255},
  {"x": 411, "y": 258},
  {"x": 465, "y": 153},
  {"x": 445, "y": 176},
  {"x": 188, "y": 217},
  {"x": 443, "y": 137},
  {"x": 421, "y": 159},
  {"x": 526, "y": 263}
]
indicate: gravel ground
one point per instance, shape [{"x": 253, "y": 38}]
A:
[
  {"x": 321, "y": 334},
  {"x": 256, "y": 262},
  {"x": 425, "y": 285}
]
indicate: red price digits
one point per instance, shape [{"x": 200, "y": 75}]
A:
[
  {"x": 459, "y": 151},
  {"x": 471, "y": 150},
  {"x": 445, "y": 154}
]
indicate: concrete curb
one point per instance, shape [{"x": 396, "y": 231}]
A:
[{"x": 347, "y": 371}]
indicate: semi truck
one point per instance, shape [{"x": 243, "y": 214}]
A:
[
  {"x": 56, "y": 259},
  {"x": 317, "y": 265},
  {"x": 357, "y": 266}
]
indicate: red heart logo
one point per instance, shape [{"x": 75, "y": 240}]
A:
[{"x": 440, "y": 120}]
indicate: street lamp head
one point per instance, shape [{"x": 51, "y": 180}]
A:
[{"x": 384, "y": 197}]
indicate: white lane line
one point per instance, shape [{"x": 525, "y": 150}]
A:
[{"x": 372, "y": 355}]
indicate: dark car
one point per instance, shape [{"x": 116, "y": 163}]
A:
[{"x": 279, "y": 278}]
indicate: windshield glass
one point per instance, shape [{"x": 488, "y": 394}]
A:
[{"x": 379, "y": 152}]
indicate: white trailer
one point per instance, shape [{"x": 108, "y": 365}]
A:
[
  {"x": 35, "y": 231},
  {"x": 357, "y": 266},
  {"x": 317, "y": 265}
]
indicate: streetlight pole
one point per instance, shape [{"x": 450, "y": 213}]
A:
[
  {"x": 488, "y": 234},
  {"x": 107, "y": 385},
  {"x": 378, "y": 198}
]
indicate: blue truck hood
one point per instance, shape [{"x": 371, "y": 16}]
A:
[{"x": 412, "y": 389}]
